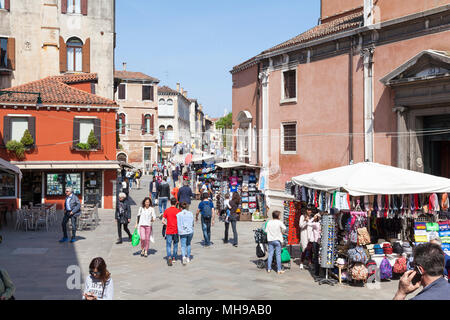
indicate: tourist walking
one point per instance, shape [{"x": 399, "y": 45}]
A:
[
  {"x": 72, "y": 210},
  {"x": 275, "y": 229},
  {"x": 126, "y": 186},
  {"x": 170, "y": 221},
  {"x": 145, "y": 218},
  {"x": 185, "y": 224},
  {"x": 314, "y": 232},
  {"x": 304, "y": 240},
  {"x": 99, "y": 284},
  {"x": 7, "y": 288},
  {"x": 174, "y": 193},
  {"x": 153, "y": 189},
  {"x": 206, "y": 209},
  {"x": 175, "y": 176},
  {"x": 123, "y": 216},
  {"x": 163, "y": 196},
  {"x": 232, "y": 218},
  {"x": 185, "y": 194},
  {"x": 137, "y": 177}
]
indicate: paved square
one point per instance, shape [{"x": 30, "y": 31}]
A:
[{"x": 37, "y": 263}]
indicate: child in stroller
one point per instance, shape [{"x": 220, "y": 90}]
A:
[{"x": 262, "y": 251}]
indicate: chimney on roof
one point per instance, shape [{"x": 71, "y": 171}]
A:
[
  {"x": 185, "y": 94},
  {"x": 124, "y": 64},
  {"x": 178, "y": 87},
  {"x": 182, "y": 91}
]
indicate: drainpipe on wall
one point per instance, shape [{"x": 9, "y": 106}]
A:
[
  {"x": 264, "y": 78},
  {"x": 350, "y": 103},
  {"x": 367, "y": 54}
]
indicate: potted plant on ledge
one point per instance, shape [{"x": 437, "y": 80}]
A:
[{"x": 91, "y": 145}]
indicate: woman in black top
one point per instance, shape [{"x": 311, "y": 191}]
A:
[
  {"x": 123, "y": 216},
  {"x": 233, "y": 218}
]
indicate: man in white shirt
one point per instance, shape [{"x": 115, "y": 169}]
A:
[{"x": 275, "y": 229}]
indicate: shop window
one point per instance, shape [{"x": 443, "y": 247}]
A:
[
  {"x": 289, "y": 84},
  {"x": 74, "y": 55},
  {"x": 7, "y": 185},
  {"x": 147, "y": 93},
  {"x": 289, "y": 140},
  {"x": 58, "y": 182},
  {"x": 122, "y": 91}
]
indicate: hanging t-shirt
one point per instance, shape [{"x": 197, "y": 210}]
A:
[{"x": 341, "y": 201}]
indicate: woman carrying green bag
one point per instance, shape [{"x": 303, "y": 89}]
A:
[{"x": 145, "y": 219}]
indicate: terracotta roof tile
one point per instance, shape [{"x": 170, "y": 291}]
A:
[
  {"x": 129, "y": 75},
  {"x": 54, "y": 91},
  {"x": 347, "y": 22},
  {"x": 70, "y": 78},
  {"x": 166, "y": 89}
]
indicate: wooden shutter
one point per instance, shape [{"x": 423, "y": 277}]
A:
[
  {"x": 84, "y": 7},
  {"x": 143, "y": 124},
  {"x": 292, "y": 85},
  {"x": 152, "y": 124},
  {"x": 7, "y": 5},
  {"x": 151, "y": 93},
  {"x": 63, "y": 6},
  {"x": 290, "y": 137},
  {"x": 98, "y": 132},
  {"x": 76, "y": 131},
  {"x": 32, "y": 128},
  {"x": 6, "y": 129},
  {"x": 62, "y": 55},
  {"x": 122, "y": 91},
  {"x": 87, "y": 56},
  {"x": 11, "y": 52}
]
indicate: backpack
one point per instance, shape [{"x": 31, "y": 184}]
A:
[
  {"x": 387, "y": 248},
  {"x": 398, "y": 248},
  {"x": 400, "y": 266},
  {"x": 371, "y": 267},
  {"x": 359, "y": 272},
  {"x": 357, "y": 255},
  {"x": 207, "y": 210},
  {"x": 385, "y": 269},
  {"x": 363, "y": 236},
  {"x": 260, "y": 252}
]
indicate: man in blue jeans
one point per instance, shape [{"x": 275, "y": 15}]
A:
[
  {"x": 163, "y": 196},
  {"x": 275, "y": 229},
  {"x": 72, "y": 210},
  {"x": 153, "y": 189},
  {"x": 170, "y": 221},
  {"x": 206, "y": 209}
]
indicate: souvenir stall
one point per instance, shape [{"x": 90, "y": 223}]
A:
[
  {"x": 380, "y": 213},
  {"x": 243, "y": 179}
]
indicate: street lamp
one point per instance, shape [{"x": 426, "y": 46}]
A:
[{"x": 9, "y": 92}]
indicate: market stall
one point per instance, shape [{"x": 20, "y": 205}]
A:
[
  {"x": 242, "y": 178},
  {"x": 380, "y": 213}
]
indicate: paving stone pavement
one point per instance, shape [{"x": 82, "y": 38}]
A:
[{"x": 221, "y": 272}]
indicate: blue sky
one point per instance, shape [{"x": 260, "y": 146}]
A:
[{"x": 198, "y": 42}]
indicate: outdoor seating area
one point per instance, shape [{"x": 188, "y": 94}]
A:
[{"x": 46, "y": 216}]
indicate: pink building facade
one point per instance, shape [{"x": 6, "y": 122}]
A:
[{"x": 365, "y": 84}]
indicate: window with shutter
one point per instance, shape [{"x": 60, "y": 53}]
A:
[
  {"x": 290, "y": 84},
  {"x": 122, "y": 123},
  {"x": 5, "y": 4},
  {"x": 84, "y": 7},
  {"x": 11, "y": 53},
  {"x": 86, "y": 56},
  {"x": 62, "y": 55},
  {"x": 6, "y": 129},
  {"x": 290, "y": 137},
  {"x": 3, "y": 52},
  {"x": 32, "y": 127},
  {"x": 74, "y": 55},
  {"x": 122, "y": 91},
  {"x": 98, "y": 132}
]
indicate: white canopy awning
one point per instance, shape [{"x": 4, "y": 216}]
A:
[
  {"x": 57, "y": 165},
  {"x": 203, "y": 158},
  {"x": 5, "y": 165},
  {"x": 368, "y": 178},
  {"x": 233, "y": 164}
]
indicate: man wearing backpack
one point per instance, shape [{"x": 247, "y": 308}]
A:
[
  {"x": 428, "y": 272},
  {"x": 206, "y": 209}
]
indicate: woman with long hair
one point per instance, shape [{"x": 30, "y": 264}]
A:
[
  {"x": 233, "y": 218},
  {"x": 304, "y": 239},
  {"x": 99, "y": 284},
  {"x": 145, "y": 219},
  {"x": 185, "y": 224}
]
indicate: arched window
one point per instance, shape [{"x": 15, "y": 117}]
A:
[
  {"x": 147, "y": 124},
  {"x": 74, "y": 55},
  {"x": 170, "y": 102},
  {"x": 122, "y": 123},
  {"x": 162, "y": 102}
]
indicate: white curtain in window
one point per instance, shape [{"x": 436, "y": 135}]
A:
[
  {"x": 70, "y": 53},
  {"x": 2, "y": 4},
  {"x": 86, "y": 126},
  {"x": 147, "y": 124},
  {"x": 69, "y": 5},
  {"x": 79, "y": 59},
  {"x": 77, "y": 6},
  {"x": 18, "y": 128}
]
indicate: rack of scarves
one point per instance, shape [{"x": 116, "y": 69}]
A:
[{"x": 291, "y": 219}]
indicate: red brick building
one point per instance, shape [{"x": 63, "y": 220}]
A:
[
  {"x": 69, "y": 112},
  {"x": 370, "y": 82}
]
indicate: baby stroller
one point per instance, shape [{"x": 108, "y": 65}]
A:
[{"x": 262, "y": 252}]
